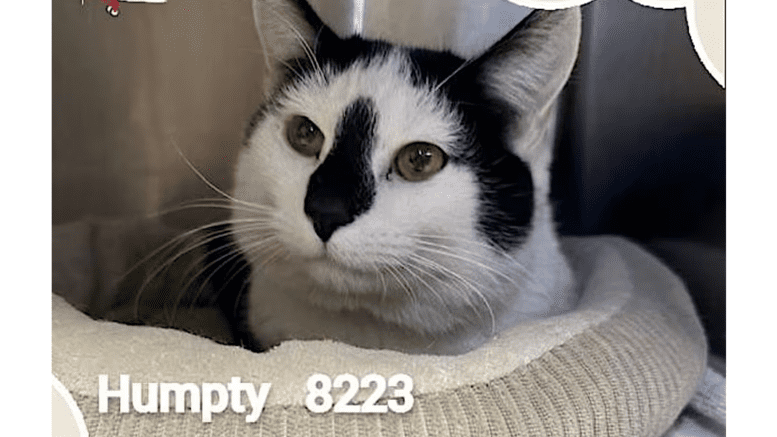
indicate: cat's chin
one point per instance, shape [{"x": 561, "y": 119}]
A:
[
  {"x": 367, "y": 281},
  {"x": 331, "y": 265},
  {"x": 336, "y": 272}
]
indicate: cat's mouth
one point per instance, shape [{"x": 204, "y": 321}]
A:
[
  {"x": 351, "y": 278},
  {"x": 342, "y": 268},
  {"x": 350, "y": 264}
]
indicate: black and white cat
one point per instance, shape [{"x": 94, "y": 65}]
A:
[{"x": 394, "y": 197}]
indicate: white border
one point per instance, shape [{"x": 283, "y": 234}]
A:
[
  {"x": 690, "y": 17},
  {"x": 71, "y": 403}
]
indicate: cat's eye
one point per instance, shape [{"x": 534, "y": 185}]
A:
[
  {"x": 304, "y": 136},
  {"x": 419, "y": 161}
]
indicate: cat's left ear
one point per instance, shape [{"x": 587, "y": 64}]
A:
[
  {"x": 527, "y": 70},
  {"x": 287, "y": 29}
]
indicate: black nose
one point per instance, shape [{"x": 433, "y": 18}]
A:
[
  {"x": 328, "y": 213},
  {"x": 343, "y": 186}
]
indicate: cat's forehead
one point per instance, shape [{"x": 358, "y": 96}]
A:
[{"x": 405, "y": 99}]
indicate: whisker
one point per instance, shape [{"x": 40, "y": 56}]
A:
[
  {"x": 234, "y": 253},
  {"x": 179, "y": 239},
  {"x": 199, "y": 243},
  {"x": 205, "y": 180},
  {"x": 259, "y": 249},
  {"x": 291, "y": 68},
  {"x": 424, "y": 283},
  {"x": 428, "y": 265},
  {"x": 393, "y": 271},
  {"x": 380, "y": 276},
  {"x": 445, "y": 251},
  {"x": 164, "y": 266},
  {"x": 455, "y": 239},
  {"x": 305, "y": 46},
  {"x": 219, "y": 262},
  {"x": 423, "y": 239},
  {"x": 458, "y": 277},
  {"x": 456, "y": 71},
  {"x": 210, "y": 203}
]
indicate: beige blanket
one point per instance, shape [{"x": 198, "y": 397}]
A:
[{"x": 625, "y": 362}]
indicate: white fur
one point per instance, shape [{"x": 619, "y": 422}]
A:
[
  {"x": 445, "y": 297},
  {"x": 411, "y": 273}
]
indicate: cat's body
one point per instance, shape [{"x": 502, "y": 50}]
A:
[{"x": 398, "y": 198}]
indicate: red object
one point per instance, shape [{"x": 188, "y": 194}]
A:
[{"x": 113, "y": 5}]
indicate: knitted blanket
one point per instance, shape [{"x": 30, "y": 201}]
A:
[{"x": 630, "y": 360}]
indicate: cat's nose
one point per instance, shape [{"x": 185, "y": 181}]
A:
[
  {"x": 343, "y": 186},
  {"x": 328, "y": 213}
]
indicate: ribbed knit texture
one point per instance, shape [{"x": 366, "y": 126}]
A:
[
  {"x": 593, "y": 385},
  {"x": 628, "y": 375}
]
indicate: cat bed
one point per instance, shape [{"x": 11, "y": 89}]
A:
[{"x": 624, "y": 363}]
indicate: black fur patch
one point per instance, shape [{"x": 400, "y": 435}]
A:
[
  {"x": 507, "y": 190},
  {"x": 340, "y": 54},
  {"x": 343, "y": 186},
  {"x": 259, "y": 114},
  {"x": 505, "y": 180},
  {"x": 228, "y": 272}
]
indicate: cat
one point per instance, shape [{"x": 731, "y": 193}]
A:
[{"x": 396, "y": 197}]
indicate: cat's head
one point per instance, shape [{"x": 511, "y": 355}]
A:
[{"x": 374, "y": 168}]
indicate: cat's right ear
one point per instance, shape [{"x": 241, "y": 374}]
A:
[
  {"x": 527, "y": 70},
  {"x": 287, "y": 29}
]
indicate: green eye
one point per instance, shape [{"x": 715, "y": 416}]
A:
[
  {"x": 419, "y": 161},
  {"x": 304, "y": 136}
]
